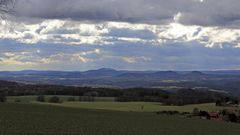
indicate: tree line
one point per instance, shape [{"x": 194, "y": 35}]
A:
[{"x": 182, "y": 96}]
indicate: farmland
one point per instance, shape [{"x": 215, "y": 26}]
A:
[
  {"x": 138, "y": 106},
  {"x": 107, "y": 103},
  {"x": 35, "y": 119}
]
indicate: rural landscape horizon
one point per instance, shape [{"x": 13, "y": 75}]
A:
[{"x": 119, "y": 67}]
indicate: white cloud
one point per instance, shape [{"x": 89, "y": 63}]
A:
[
  {"x": 8, "y": 54},
  {"x": 20, "y": 59},
  {"x": 80, "y": 33},
  {"x": 132, "y": 60},
  {"x": 14, "y": 62},
  {"x": 177, "y": 17},
  {"x": 77, "y": 57},
  {"x": 35, "y": 59}
]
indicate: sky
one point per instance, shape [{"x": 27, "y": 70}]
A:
[{"x": 121, "y": 34}]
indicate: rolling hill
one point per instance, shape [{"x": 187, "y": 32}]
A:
[{"x": 228, "y": 81}]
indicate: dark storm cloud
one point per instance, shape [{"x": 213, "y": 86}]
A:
[
  {"x": 193, "y": 12},
  {"x": 213, "y": 12},
  {"x": 98, "y": 10}
]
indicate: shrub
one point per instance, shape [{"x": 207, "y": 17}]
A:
[
  {"x": 17, "y": 100},
  {"x": 86, "y": 99},
  {"x": 218, "y": 103},
  {"x": 40, "y": 98},
  {"x": 168, "y": 112},
  {"x": 232, "y": 117},
  {"x": 196, "y": 111},
  {"x": 204, "y": 114},
  {"x": 3, "y": 97},
  {"x": 55, "y": 99},
  {"x": 71, "y": 99}
]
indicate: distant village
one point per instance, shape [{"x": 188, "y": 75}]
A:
[{"x": 229, "y": 113}]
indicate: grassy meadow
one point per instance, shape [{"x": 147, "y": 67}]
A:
[
  {"x": 138, "y": 106},
  {"x": 36, "y": 119},
  {"x": 107, "y": 103}
]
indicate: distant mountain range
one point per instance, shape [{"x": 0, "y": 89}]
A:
[{"x": 221, "y": 80}]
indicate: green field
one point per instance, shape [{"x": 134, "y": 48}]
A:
[
  {"x": 107, "y": 103},
  {"x": 138, "y": 106},
  {"x": 35, "y": 119}
]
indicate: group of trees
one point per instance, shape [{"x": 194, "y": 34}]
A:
[
  {"x": 181, "y": 97},
  {"x": 56, "y": 99},
  {"x": 230, "y": 116},
  {"x": 228, "y": 101},
  {"x": 16, "y": 89}
]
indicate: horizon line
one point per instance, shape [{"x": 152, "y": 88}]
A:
[{"x": 216, "y": 70}]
